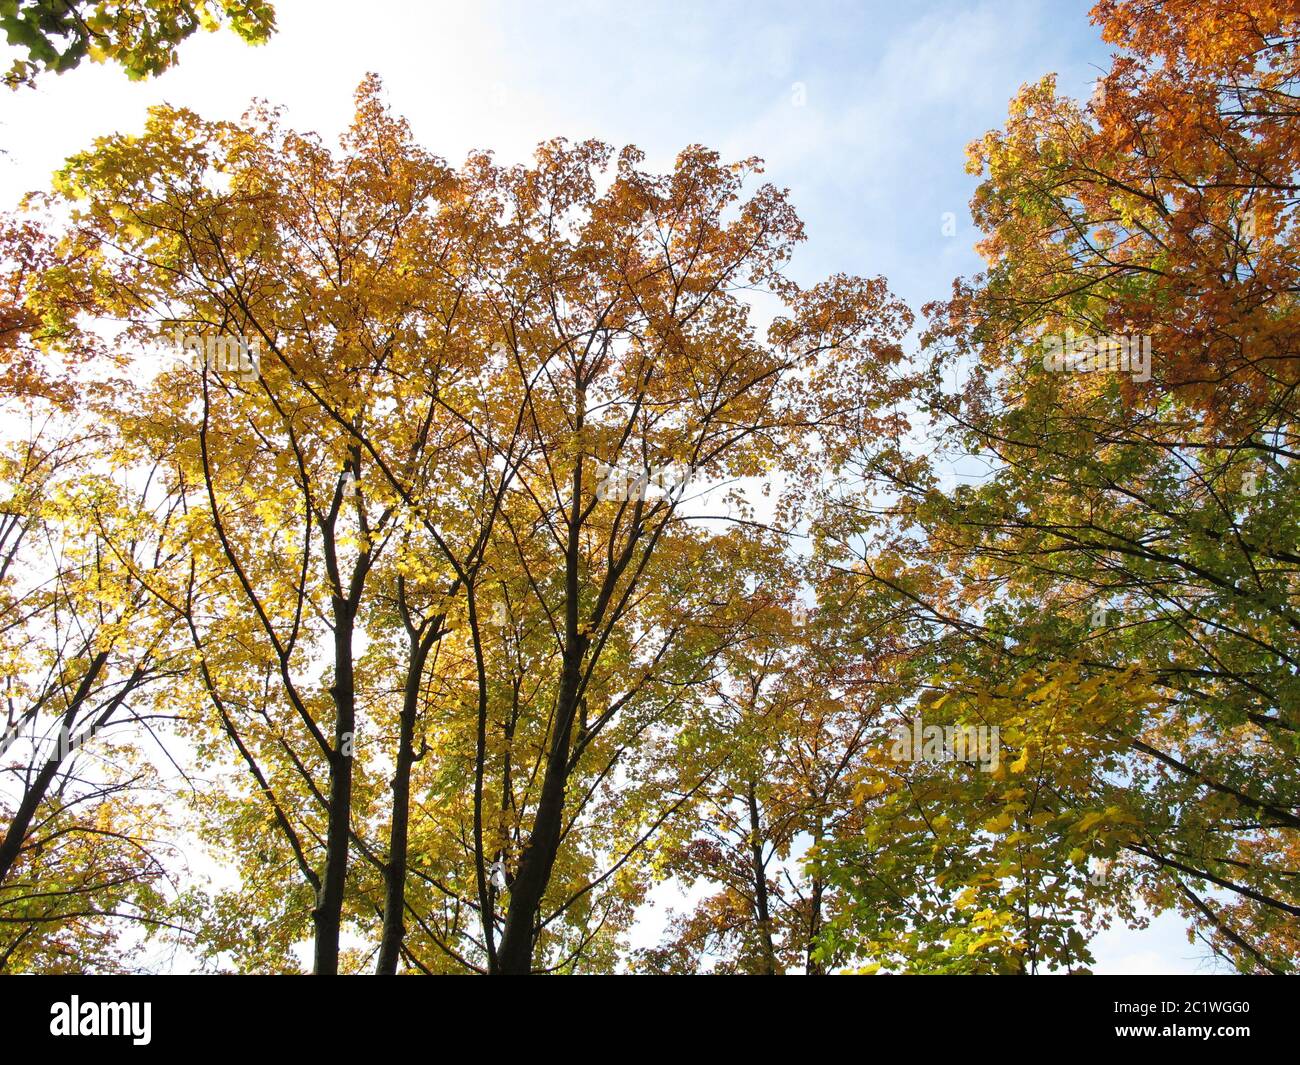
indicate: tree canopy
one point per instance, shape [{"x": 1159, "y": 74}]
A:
[
  {"x": 452, "y": 554},
  {"x": 141, "y": 37}
]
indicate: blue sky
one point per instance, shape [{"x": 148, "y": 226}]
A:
[{"x": 863, "y": 110}]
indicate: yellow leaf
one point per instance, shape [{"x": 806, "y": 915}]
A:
[
  {"x": 1088, "y": 821},
  {"x": 1000, "y": 823},
  {"x": 1043, "y": 692}
]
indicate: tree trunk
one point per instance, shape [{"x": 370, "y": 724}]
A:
[
  {"x": 760, "y": 884},
  {"x": 390, "y": 941},
  {"x": 328, "y": 913},
  {"x": 32, "y": 797},
  {"x": 515, "y": 954},
  {"x": 813, "y": 967}
]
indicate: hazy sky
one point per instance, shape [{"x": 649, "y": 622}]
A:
[{"x": 863, "y": 110}]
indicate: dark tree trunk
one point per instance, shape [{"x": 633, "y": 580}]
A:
[
  {"x": 390, "y": 941},
  {"x": 22, "y": 819},
  {"x": 814, "y": 967},
  {"x": 760, "y": 884},
  {"x": 328, "y": 913},
  {"x": 515, "y": 954}
]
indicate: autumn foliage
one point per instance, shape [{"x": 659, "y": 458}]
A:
[{"x": 451, "y": 554}]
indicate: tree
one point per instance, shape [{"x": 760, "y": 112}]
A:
[
  {"x": 465, "y": 518},
  {"x": 799, "y": 705},
  {"x": 83, "y": 851},
  {"x": 1131, "y": 389},
  {"x": 452, "y": 365},
  {"x": 626, "y": 345},
  {"x": 140, "y": 37}
]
